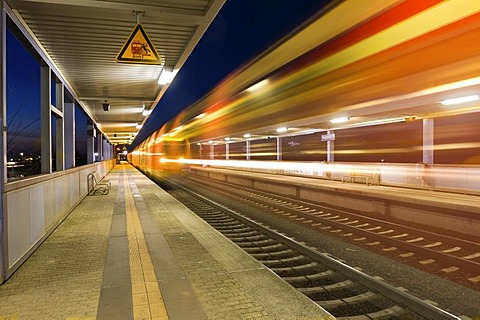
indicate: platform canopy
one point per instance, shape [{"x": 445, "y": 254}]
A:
[{"x": 83, "y": 39}]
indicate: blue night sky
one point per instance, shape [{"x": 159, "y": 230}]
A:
[{"x": 23, "y": 99}]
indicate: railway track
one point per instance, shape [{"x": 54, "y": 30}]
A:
[
  {"x": 342, "y": 290},
  {"x": 452, "y": 254}
]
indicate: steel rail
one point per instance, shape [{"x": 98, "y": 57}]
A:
[{"x": 399, "y": 296}]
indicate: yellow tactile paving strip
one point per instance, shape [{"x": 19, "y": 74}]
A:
[{"x": 146, "y": 296}]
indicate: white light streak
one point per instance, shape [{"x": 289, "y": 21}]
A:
[
  {"x": 258, "y": 85},
  {"x": 340, "y": 120},
  {"x": 460, "y": 100}
]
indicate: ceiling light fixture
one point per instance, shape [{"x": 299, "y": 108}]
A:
[
  {"x": 167, "y": 76},
  {"x": 106, "y": 106},
  {"x": 450, "y": 102},
  {"x": 282, "y": 129}
]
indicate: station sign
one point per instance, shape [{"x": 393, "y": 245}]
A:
[
  {"x": 328, "y": 137},
  {"x": 138, "y": 49}
]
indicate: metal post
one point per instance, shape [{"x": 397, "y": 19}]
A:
[
  {"x": 46, "y": 115},
  {"x": 247, "y": 149},
  {"x": 104, "y": 149},
  {"x": 69, "y": 123},
  {"x": 279, "y": 149},
  {"x": 100, "y": 147},
  {"x": 428, "y": 141},
  {"x": 212, "y": 152},
  {"x": 330, "y": 148},
  {"x": 90, "y": 143},
  {"x": 60, "y": 130},
  {"x": 227, "y": 151},
  {"x": 3, "y": 139}
]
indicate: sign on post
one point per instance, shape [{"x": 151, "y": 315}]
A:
[{"x": 328, "y": 137}]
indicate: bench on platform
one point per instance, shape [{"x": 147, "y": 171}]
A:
[
  {"x": 96, "y": 184},
  {"x": 369, "y": 177}
]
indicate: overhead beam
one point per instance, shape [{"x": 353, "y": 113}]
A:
[
  {"x": 161, "y": 12},
  {"x": 143, "y": 99}
]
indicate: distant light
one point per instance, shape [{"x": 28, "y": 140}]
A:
[
  {"x": 211, "y": 141},
  {"x": 247, "y": 135},
  {"x": 258, "y": 85},
  {"x": 200, "y": 116},
  {"x": 199, "y": 144},
  {"x": 139, "y": 126},
  {"x": 125, "y": 152},
  {"x": 282, "y": 129},
  {"x": 340, "y": 120},
  {"x": 166, "y": 77},
  {"x": 450, "y": 102},
  {"x": 227, "y": 139}
]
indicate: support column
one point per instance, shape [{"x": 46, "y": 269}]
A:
[
  {"x": 3, "y": 138},
  {"x": 60, "y": 128},
  {"x": 428, "y": 141},
  {"x": 46, "y": 114},
  {"x": 105, "y": 149},
  {"x": 100, "y": 147},
  {"x": 330, "y": 147},
  {"x": 69, "y": 123},
  {"x": 247, "y": 149},
  {"x": 279, "y": 149},
  {"x": 90, "y": 143},
  {"x": 227, "y": 151},
  {"x": 212, "y": 152}
]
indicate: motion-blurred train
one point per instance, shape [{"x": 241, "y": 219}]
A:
[{"x": 390, "y": 87}]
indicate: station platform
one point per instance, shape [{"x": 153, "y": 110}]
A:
[{"x": 137, "y": 253}]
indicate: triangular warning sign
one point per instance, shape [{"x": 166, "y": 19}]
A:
[{"x": 138, "y": 49}]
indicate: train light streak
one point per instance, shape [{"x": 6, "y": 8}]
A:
[
  {"x": 258, "y": 85},
  {"x": 460, "y": 100},
  {"x": 340, "y": 120},
  {"x": 200, "y": 116}
]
